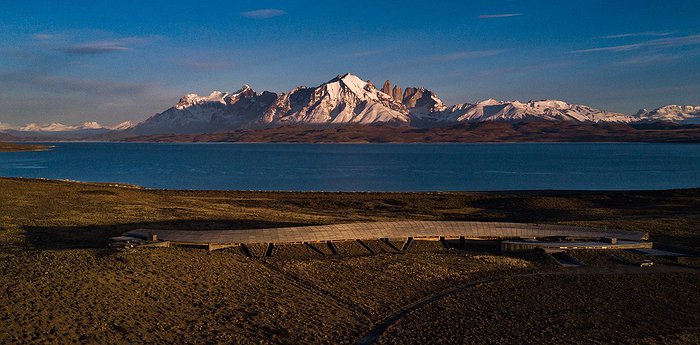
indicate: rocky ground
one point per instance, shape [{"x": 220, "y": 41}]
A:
[{"x": 60, "y": 283}]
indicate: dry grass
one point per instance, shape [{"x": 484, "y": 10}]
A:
[
  {"x": 59, "y": 282},
  {"x": 58, "y": 214},
  {"x": 561, "y": 309}
]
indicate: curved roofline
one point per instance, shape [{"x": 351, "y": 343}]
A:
[{"x": 377, "y": 230}]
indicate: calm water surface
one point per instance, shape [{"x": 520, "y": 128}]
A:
[{"x": 367, "y": 167}]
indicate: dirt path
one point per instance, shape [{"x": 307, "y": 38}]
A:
[{"x": 379, "y": 328}]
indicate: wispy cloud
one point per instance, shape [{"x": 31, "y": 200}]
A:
[
  {"x": 94, "y": 48},
  {"x": 106, "y": 46},
  {"x": 462, "y": 55},
  {"x": 658, "y": 57},
  {"x": 499, "y": 15},
  {"x": 641, "y": 34},
  {"x": 647, "y": 59},
  {"x": 366, "y": 53},
  {"x": 656, "y": 43},
  {"x": 34, "y": 96},
  {"x": 42, "y": 37},
  {"x": 62, "y": 85},
  {"x": 264, "y": 13}
]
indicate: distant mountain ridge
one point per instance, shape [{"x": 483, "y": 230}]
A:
[
  {"x": 342, "y": 101},
  {"x": 685, "y": 114},
  {"x": 33, "y": 131},
  {"x": 349, "y": 100},
  {"x": 345, "y": 99},
  {"x": 59, "y": 127}
]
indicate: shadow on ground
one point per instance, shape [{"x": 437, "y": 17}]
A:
[{"x": 97, "y": 236}]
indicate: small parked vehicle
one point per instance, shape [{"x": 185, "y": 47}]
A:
[{"x": 646, "y": 263}]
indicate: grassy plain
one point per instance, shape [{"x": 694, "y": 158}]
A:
[{"x": 60, "y": 283}]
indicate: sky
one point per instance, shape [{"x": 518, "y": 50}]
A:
[{"x": 76, "y": 61}]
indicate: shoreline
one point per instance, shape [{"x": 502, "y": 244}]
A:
[
  {"x": 534, "y": 142},
  {"x": 427, "y": 192},
  {"x": 21, "y": 147},
  {"x": 483, "y": 132}
]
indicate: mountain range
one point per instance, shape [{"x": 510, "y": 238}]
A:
[
  {"x": 33, "y": 128},
  {"x": 349, "y": 100}
]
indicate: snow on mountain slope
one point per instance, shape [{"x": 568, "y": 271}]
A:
[
  {"x": 219, "y": 111},
  {"x": 90, "y": 127},
  {"x": 422, "y": 103},
  {"x": 348, "y": 99},
  {"x": 686, "y": 114},
  {"x": 514, "y": 111},
  {"x": 121, "y": 126},
  {"x": 59, "y": 127},
  {"x": 53, "y": 127},
  {"x": 344, "y": 99}
]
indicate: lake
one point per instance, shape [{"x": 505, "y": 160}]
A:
[{"x": 367, "y": 167}]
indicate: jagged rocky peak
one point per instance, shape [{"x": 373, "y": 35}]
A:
[
  {"x": 387, "y": 88},
  {"x": 350, "y": 85},
  {"x": 422, "y": 102},
  {"x": 398, "y": 93},
  {"x": 411, "y": 96},
  {"x": 343, "y": 99},
  {"x": 348, "y": 99},
  {"x": 225, "y": 98},
  {"x": 394, "y": 92},
  {"x": 347, "y": 82}
]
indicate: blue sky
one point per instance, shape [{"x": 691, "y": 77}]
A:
[{"x": 75, "y": 61}]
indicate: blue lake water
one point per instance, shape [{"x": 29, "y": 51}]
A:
[{"x": 367, "y": 167}]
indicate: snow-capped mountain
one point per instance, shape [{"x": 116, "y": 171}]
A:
[
  {"x": 348, "y": 99},
  {"x": 59, "y": 131},
  {"x": 53, "y": 127},
  {"x": 219, "y": 111},
  {"x": 59, "y": 127},
  {"x": 516, "y": 111},
  {"x": 121, "y": 126},
  {"x": 686, "y": 114},
  {"x": 344, "y": 99},
  {"x": 418, "y": 101}
]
